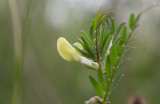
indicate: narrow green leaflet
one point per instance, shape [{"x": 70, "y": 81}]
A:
[
  {"x": 113, "y": 26},
  {"x": 118, "y": 30},
  {"x": 96, "y": 86},
  {"x": 137, "y": 19},
  {"x": 109, "y": 25},
  {"x": 106, "y": 35},
  {"x": 106, "y": 46},
  {"x": 131, "y": 21},
  {"x": 102, "y": 20},
  {"x": 99, "y": 33},
  {"x": 92, "y": 22},
  {"x": 106, "y": 25},
  {"x": 118, "y": 40},
  {"x": 101, "y": 37},
  {"x": 87, "y": 40},
  {"x": 108, "y": 67},
  {"x": 92, "y": 34},
  {"x": 87, "y": 47},
  {"x": 113, "y": 54},
  {"x": 119, "y": 48},
  {"x": 102, "y": 80},
  {"x": 124, "y": 34},
  {"x": 96, "y": 21},
  {"x": 85, "y": 54},
  {"x": 104, "y": 41}
]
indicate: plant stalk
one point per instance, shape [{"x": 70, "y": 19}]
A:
[
  {"x": 114, "y": 72},
  {"x": 18, "y": 57}
]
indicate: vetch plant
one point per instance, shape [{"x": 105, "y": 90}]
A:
[{"x": 104, "y": 50}]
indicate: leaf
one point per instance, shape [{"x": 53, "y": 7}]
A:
[
  {"x": 119, "y": 48},
  {"x": 131, "y": 21},
  {"x": 113, "y": 54},
  {"x": 120, "y": 27},
  {"x": 108, "y": 67},
  {"x": 92, "y": 22},
  {"x": 92, "y": 34},
  {"x": 113, "y": 26},
  {"x": 96, "y": 86},
  {"x": 124, "y": 34},
  {"x": 118, "y": 40},
  {"x": 106, "y": 46},
  {"x": 104, "y": 41},
  {"x": 101, "y": 37},
  {"x": 106, "y": 25},
  {"x": 102, "y": 80},
  {"x": 102, "y": 20},
  {"x": 106, "y": 35},
  {"x": 87, "y": 47},
  {"x": 99, "y": 33},
  {"x": 96, "y": 21},
  {"x": 85, "y": 54},
  {"x": 109, "y": 25},
  {"x": 115, "y": 83},
  {"x": 137, "y": 19},
  {"x": 88, "y": 40}
]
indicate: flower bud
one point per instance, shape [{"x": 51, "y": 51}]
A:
[
  {"x": 70, "y": 54},
  {"x": 93, "y": 100}
]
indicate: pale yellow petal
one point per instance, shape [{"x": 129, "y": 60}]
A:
[{"x": 66, "y": 50}]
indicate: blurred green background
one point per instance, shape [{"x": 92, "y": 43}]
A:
[{"x": 47, "y": 78}]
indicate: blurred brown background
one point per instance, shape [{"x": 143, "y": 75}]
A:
[{"x": 47, "y": 78}]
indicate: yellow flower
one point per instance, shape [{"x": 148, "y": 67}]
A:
[
  {"x": 66, "y": 50},
  {"x": 70, "y": 54}
]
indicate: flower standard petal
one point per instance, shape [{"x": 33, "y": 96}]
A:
[{"x": 66, "y": 50}]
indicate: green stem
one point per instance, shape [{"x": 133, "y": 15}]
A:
[
  {"x": 111, "y": 80},
  {"x": 114, "y": 72},
  {"x": 18, "y": 57}
]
